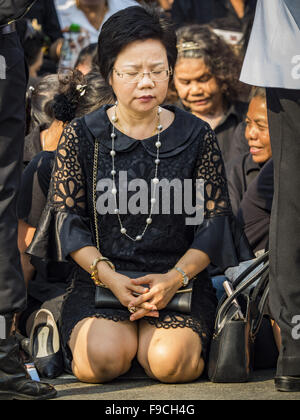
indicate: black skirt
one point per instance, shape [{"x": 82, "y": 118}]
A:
[{"x": 79, "y": 303}]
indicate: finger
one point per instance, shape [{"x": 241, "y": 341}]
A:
[
  {"x": 142, "y": 313},
  {"x": 148, "y": 306},
  {"x": 141, "y": 280},
  {"x": 140, "y": 300}
]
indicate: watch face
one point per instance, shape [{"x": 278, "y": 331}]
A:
[{"x": 185, "y": 281}]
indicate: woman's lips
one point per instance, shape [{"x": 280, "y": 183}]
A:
[
  {"x": 200, "y": 102},
  {"x": 255, "y": 150},
  {"x": 146, "y": 98}
]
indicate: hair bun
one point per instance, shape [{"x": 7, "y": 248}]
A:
[{"x": 63, "y": 109}]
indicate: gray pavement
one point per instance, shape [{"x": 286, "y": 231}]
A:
[{"x": 261, "y": 387}]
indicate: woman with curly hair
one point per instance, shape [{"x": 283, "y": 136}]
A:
[{"x": 207, "y": 82}]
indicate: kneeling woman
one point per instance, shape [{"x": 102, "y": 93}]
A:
[{"x": 147, "y": 143}]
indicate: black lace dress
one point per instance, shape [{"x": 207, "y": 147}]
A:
[{"x": 189, "y": 151}]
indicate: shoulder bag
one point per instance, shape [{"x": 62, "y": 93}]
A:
[{"x": 237, "y": 324}]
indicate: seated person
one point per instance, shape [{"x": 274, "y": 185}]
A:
[
  {"x": 207, "y": 81},
  {"x": 141, "y": 137},
  {"x": 48, "y": 281},
  {"x": 243, "y": 170}
]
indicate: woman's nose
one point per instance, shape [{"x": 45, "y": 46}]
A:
[
  {"x": 251, "y": 133},
  {"x": 146, "y": 80},
  {"x": 196, "y": 89}
]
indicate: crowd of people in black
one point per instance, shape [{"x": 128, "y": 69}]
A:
[{"x": 201, "y": 99}]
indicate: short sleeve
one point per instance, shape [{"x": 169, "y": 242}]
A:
[
  {"x": 65, "y": 226},
  {"x": 219, "y": 236}
]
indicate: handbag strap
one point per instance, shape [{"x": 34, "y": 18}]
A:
[
  {"x": 261, "y": 260},
  {"x": 242, "y": 287},
  {"x": 95, "y": 170}
]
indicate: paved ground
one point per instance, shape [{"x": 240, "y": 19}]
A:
[{"x": 261, "y": 387}]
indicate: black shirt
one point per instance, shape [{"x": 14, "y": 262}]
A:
[
  {"x": 241, "y": 172},
  {"x": 51, "y": 278},
  {"x": 218, "y": 13},
  {"x": 230, "y": 131},
  {"x": 255, "y": 209},
  {"x": 34, "y": 188}
]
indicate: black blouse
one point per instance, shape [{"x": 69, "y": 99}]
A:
[{"x": 189, "y": 151}]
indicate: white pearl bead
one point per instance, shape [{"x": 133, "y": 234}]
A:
[
  {"x": 155, "y": 180},
  {"x": 113, "y": 135},
  {"x": 114, "y": 118},
  {"x": 157, "y": 161},
  {"x": 149, "y": 221},
  {"x": 153, "y": 200},
  {"x": 159, "y": 111},
  {"x": 113, "y": 172},
  {"x": 117, "y": 211},
  {"x": 139, "y": 238},
  {"x": 158, "y": 144},
  {"x": 159, "y": 127},
  {"x": 123, "y": 231},
  {"x": 113, "y": 153},
  {"x": 114, "y": 191}
]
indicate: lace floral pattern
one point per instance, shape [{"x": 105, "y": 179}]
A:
[{"x": 68, "y": 190}]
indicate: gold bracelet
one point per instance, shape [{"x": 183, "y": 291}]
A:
[{"x": 95, "y": 274}]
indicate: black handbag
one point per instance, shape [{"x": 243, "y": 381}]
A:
[
  {"x": 237, "y": 324},
  {"x": 104, "y": 298}
]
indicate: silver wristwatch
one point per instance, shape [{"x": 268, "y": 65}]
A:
[{"x": 185, "y": 278}]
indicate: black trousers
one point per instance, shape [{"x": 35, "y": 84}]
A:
[
  {"x": 284, "y": 119},
  {"x": 13, "y": 79}
]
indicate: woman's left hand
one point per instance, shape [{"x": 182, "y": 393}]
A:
[{"x": 162, "y": 287}]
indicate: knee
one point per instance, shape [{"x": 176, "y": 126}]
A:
[
  {"x": 173, "y": 366},
  {"x": 104, "y": 364}
]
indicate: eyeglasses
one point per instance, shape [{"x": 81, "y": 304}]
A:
[{"x": 136, "y": 77}]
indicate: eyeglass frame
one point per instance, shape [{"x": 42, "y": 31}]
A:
[{"x": 121, "y": 75}]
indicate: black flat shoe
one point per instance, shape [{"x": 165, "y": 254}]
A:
[
  {"x": 45, "y": 345},
  {"x": 287, "y": 383}
]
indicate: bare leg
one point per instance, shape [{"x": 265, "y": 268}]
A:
[
  {"x": 170, "y": 356},
  {"x": 102, "y": 349}
]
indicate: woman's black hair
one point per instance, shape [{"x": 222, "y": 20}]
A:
[
  {"x": 39, "y": 102},
  {"x": 97, "y": 94},
  {"x": 71, "y": 89},
  {"x": 130, "y": 25}
]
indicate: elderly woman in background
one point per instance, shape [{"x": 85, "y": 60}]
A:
[
  {"x": 207, "y": 82},
  {"x": 244, "y": 169}
]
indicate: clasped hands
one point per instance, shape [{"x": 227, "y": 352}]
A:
[{"x": 147, "y": 301}]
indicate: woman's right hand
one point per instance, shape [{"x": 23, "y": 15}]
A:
[{"x": 122, "y": 287}]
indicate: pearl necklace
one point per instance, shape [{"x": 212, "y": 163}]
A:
[{"x": 155, "y": 180}]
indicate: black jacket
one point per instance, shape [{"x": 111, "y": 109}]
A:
[{"x": 11, "y": 10}]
